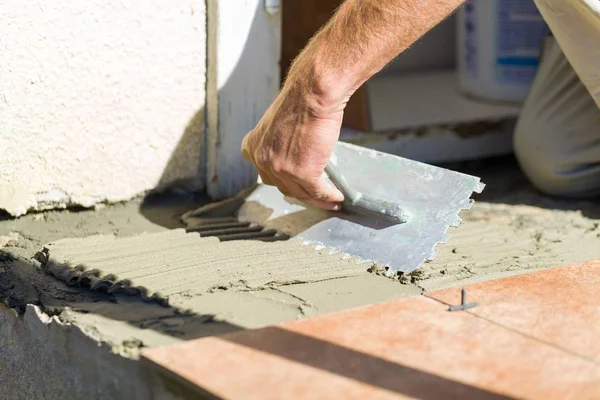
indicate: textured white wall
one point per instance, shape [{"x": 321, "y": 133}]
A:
[{"x": 96, "y": 97}]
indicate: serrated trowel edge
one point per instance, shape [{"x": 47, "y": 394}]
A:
[
  {"x": 388, "y": 270},
  {"x": 480, "y": 187}
]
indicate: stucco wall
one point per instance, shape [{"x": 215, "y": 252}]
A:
[{"x": 99, "y": 100}]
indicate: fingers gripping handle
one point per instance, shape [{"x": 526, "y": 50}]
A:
[
  {"x": 363, "y": 202},
  {"x": 352, "y": 197}
]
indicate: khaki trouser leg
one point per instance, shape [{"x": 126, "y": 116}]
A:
[{"x": 557, "y": 138}]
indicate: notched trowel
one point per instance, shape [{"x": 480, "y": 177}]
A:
[{"x": 395, "y": 210}]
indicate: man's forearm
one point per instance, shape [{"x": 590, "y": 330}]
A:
[
  {"x": 359, "y": 40},
  {"x": 293, "y": 142}
]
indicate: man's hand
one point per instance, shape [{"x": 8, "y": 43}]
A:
[
  {"x": 293, "y": 141},
  {"x": 291, "y": 145}
]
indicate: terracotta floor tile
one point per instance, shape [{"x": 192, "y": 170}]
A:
[
  {"x": 560, "y": 306},
  {"x": 410, "y": 348}
]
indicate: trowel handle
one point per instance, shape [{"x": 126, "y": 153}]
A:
[
  {"x": 354, "y": 199},
  {"x": 351, "y": 195}
]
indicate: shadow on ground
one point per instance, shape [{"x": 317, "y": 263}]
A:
[
  {"x": 391, "y": 377},
  {"x": 166, "y": 209},
  {"x": 506, "y": 184}
]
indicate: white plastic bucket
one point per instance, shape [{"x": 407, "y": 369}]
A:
[{"x": 499, "y": 43}]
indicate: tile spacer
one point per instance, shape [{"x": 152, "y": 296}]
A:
[{"x": 463, "y": 302}]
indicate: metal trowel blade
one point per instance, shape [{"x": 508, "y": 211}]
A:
[{"x": 433, "y": 196}]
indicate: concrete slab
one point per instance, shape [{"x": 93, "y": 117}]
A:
[{"x": 413, "y": 348}]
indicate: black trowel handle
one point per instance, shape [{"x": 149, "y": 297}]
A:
[{"x": 366, "y": 203}]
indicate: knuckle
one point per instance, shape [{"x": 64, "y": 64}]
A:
[
  {"x": 280, "y": 167},
  {"x": 262, "y": 161},
  {"x": 276, "y": 167}
]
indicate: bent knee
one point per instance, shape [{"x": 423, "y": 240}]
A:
[{"x": 552, "y": 168}]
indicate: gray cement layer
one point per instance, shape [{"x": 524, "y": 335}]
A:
[
  {"x": 164, "y": 265},
  {"x": 74, "y": 335},
  {"x": 43, "y": 357}
]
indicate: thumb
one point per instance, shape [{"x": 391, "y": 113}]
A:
[{"x": 318, "y": 189}]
